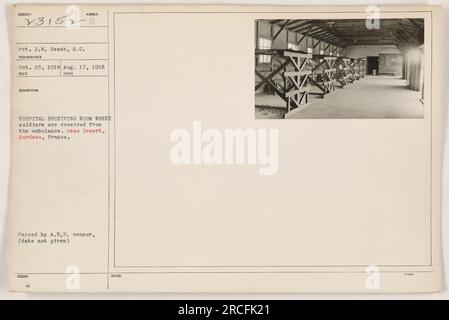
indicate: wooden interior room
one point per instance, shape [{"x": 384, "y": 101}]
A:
[{"x": 343, "y": 68}]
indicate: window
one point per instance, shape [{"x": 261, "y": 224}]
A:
[
  {"x": 292, "y": 46},
  {"x": 309, "y": 50},
  {"x": 264, "y": 44}
]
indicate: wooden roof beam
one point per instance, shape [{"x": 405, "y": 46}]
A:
[
  {"x": 304, "y": 35},
  {"x": 329, "y": 37},
  {"x": 317, "y": 33},
  {"x": 302, "y": 29},
  {"x": 294, "y": 25},
  {"x": 415, "y": 23},
  {"x": 280, "y": 30}
]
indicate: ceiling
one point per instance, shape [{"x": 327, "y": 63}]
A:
[{"x": 403, "y": 33}]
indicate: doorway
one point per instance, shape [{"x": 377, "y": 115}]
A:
[{"x": 372, "y": 63}]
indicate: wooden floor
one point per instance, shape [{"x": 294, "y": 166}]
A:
[{"x": 371, "y": 97}]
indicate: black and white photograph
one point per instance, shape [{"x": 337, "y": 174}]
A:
[
  {"x": 145, "y": 154},
  {"x": 339, "y": 69}
]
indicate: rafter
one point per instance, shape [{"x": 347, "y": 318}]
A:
[
  {"x": 402, "y": 33},
  {"x": 280, "y": 30}
]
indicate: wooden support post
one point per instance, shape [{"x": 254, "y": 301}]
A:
[
  {"x": 343, "y": 76},
  {"x": 271, "y": 75},
  {"x": 298, "y": 94},
  {"x": 294, "y": 89},
  {"x": 324, "y": 73}
]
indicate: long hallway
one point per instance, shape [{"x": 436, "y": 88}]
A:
[{"x": 370, "y": 97}]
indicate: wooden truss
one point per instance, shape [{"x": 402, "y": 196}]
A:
[
  {"x": 324, "y": 73},
  {"x": 362, "y": 67},
  {"x": 343, "y": 71},
  {"x": 350, "y": 70},
  {"x": 341, "y": 33},
  {"x": 291, "y": 77},
  {"x": 293, "y": 87},
  {"x": 353, "y": 70},
  {"x": 357, "y": 69}
]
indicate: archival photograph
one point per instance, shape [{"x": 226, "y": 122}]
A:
[
  {"x": 339, "y": 69},
  {"x": 145, "y": 156}
]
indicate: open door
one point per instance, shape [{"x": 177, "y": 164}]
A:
[{"x": 372, "y": 63}]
